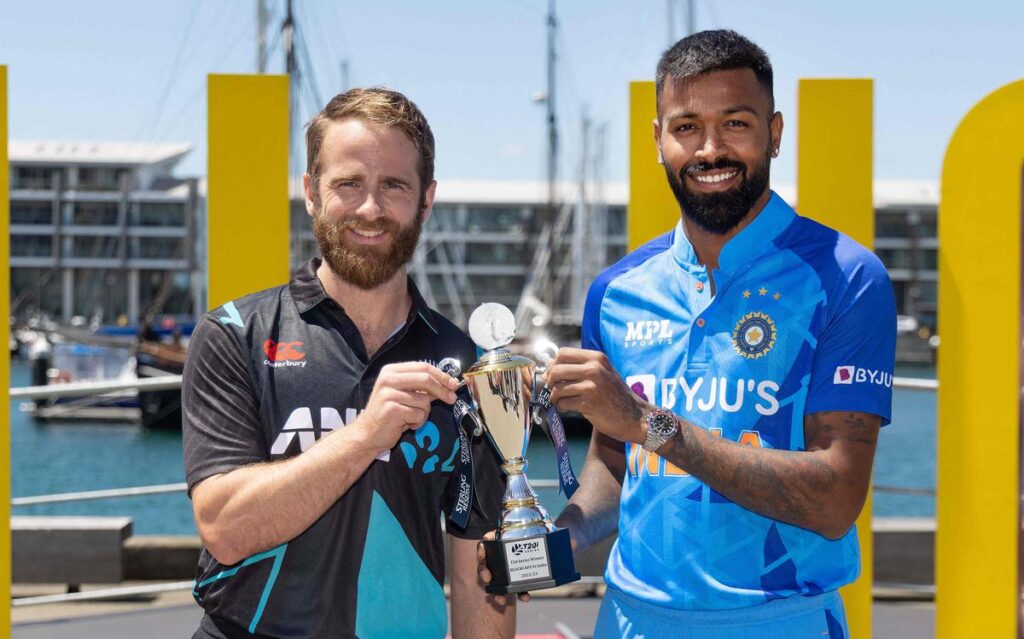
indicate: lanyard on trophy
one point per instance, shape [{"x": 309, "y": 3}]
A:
[
  {"x": 464, "y": 467},
  {"x": 542, "y": 407}
]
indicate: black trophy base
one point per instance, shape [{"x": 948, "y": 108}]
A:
[{"x": 532, "y": 563}]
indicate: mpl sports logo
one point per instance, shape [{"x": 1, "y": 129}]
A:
[
  {"x": 283, "y": 354},
  {"x": 648, "y": 333},
  {"x": 857, "y": 375}
]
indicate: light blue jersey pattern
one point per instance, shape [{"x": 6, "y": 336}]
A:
[{"x": 803, "y": 320}]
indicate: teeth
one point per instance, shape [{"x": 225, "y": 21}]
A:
[
  {"x": 712, "y": 179},
  {"x": 367, "y": 233}
]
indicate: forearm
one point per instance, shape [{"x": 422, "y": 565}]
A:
[
  {"x": 810, "y": 489},
  {"x": 474, "y": 612},
  {"x": 257, "y": 507},
  {"x": 593, "y": 512}
]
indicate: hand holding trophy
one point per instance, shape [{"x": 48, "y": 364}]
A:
[{"x": 529, "y": 552}]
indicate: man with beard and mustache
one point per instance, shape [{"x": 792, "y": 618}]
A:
[
  {"x": 760, "y": 348},
  {"x": 321, "y": 450}
]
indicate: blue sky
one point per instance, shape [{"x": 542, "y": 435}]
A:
[{"x": 136, "y": 70}]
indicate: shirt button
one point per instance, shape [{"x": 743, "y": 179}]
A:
[
  {"x": 700, "y": 322},
  {"x": 700, "y": 286}
]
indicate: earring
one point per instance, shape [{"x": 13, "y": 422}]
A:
[{"x": 775, "y": 153}]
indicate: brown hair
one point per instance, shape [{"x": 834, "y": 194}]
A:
[{"x": 376, "y": 105}]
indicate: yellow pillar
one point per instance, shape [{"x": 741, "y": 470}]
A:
[
  {"x": 834, "y": 159},
  {"x": 248, "y": 184},
  {"x": 5, "y": 366},
  {"x": 977, "y": 555},
  {"x": 653, "y": 209}
]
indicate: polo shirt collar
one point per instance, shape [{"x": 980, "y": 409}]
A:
[
  {"x": 308, "y": 292},
  {"x": 746, "y": 246}
]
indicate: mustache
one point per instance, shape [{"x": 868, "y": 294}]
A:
[
  {"x": 720, "y": 163},
  {"x": 356, "y": 224}
]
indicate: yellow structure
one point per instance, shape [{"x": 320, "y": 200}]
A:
[
  {"x": 5, "y": 366},
  {"x": 977, "y": 554},
  {"x": 653, "y": 209},
  {"x": 834, "y": 182},
  {"x": 248, "y": 184}
]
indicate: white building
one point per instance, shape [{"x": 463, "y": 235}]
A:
[{"x": 102, "y": 229}]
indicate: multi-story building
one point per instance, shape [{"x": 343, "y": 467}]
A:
[
  {"x": 480, "y": 244},
  {"x": 103, "y": 230}
]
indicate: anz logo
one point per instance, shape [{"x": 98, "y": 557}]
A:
[
  {"x": 428, "y": 438},
  {"x": 299, "y": 426},
  {"x": 423, "y": 455}
]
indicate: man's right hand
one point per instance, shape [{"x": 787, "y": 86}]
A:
[
  {"x": 401, "y": 400},
  {"x": 485, "y": 574}
]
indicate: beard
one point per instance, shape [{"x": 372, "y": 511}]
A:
[
  {"x": 720, "y": 212},
  {"x": 366, "y": 267}
]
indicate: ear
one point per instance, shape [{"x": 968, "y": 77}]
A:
[
  {"x": 775, "y": 127},
  {"x": 428, "y": 201},
  {"x": 657, "y": 140},
  {"x": 307, "y": 188}
]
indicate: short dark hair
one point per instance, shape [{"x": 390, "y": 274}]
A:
[
  {"x": 375, "y": 105},
  {"x": 707, "y": 51}
]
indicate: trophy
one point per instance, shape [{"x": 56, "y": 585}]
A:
[{"x": 529, "y": 552}]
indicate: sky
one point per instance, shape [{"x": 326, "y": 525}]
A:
[{"x": 135, "y": 70}]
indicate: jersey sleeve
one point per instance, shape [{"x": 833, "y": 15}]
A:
[
  {"x": 220, "y": 422},
  {"x": 855, "y": 356}
]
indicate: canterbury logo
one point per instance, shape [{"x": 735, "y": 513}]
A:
[{"x": 283, "y": 351}]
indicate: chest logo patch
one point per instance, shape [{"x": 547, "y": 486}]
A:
[{"x": 754, "y": 335}]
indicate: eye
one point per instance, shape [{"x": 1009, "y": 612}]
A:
[
  {"x": 736, "y": 124},
  {"x": 393, "y": 186},
  {"x": 686, "y": 126}
]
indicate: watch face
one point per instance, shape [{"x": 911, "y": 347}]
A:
[{"x": 662, "y": 423}]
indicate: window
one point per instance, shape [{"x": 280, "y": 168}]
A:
[
  {"x": 95, "y": 214},
  {"x": 500, "y": 219},
  {"x": 31, "y": 246},
  {"x": 166, "y": 292},
  {"x": 31, "y": 212},
  {"x": 616, "y": 220},
  {"x": 35, "y": 290},
  {"x": 160, "y": 214},
  {"x": 160, "y": 248},
  {"x": 891, "y": 224},
  {"x": 894, "y": 258},
  {"x": 101, "y": 292},
  {"x": 94, "y": 246},
  {"x": 100, "y": 178},
  {"x": 34, "y": 177}
]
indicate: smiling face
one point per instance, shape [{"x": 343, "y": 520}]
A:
[
  {"x": 716, "y": 135},
  {"x": 369, "y": 205}
]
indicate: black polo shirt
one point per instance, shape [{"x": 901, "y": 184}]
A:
[{"x": 267, "y": 375}]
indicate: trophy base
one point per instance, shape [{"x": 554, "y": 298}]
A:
[{"x": 532, "y": 563}]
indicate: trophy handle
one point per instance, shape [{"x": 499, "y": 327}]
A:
[{"x": 463, "y": 409}]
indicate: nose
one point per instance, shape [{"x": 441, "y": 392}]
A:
[
  {"x": 711, "y": 148},
  {"x": 370, "y": 207}
]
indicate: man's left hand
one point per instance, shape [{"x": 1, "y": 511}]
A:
[{"x": 584, "y": 381}]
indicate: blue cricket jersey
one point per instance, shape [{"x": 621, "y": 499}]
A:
[{"x": 803, "y": 320}]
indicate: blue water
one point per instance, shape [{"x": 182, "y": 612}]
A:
[{"x": 57, "y": 458}]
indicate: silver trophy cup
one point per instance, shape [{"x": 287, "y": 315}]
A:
[{"x": 529, "y": 552}]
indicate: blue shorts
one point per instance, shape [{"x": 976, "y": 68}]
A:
[{"x": 624, "y": 617}]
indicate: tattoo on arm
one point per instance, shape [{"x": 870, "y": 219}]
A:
[{"x": 821, "y": 488}]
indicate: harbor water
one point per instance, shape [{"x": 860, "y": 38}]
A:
[{"x": 70, "y": 457}]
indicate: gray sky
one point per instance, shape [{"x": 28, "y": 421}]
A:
[{"x": 136, "y": 69}]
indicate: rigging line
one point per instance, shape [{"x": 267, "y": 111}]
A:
[
  {"x": 169, "y": 78},
  {"x": 300, "y": 40},
  {"x": 193, "y": 102},
  {"x": 320, "y": 45}
]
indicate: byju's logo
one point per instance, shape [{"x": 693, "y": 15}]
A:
[
  {"x": 642, "y": 386},
  {"x": 844, "y": 375},
  {"x": 281, "y": 354},
  {"x": 647, "y": 333},
  {"x": 521, "y": 547},
  {"x": 856, "y": 375}
]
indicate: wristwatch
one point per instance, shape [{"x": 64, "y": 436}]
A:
[{"x": 661, "y": 427}]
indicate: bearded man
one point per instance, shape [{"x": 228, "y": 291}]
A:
[
  {"x": 736, "y": 371},
  {"x": 320, "y": 446}
]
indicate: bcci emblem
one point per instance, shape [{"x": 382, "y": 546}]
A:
[{"x": 754, "y": 335}]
